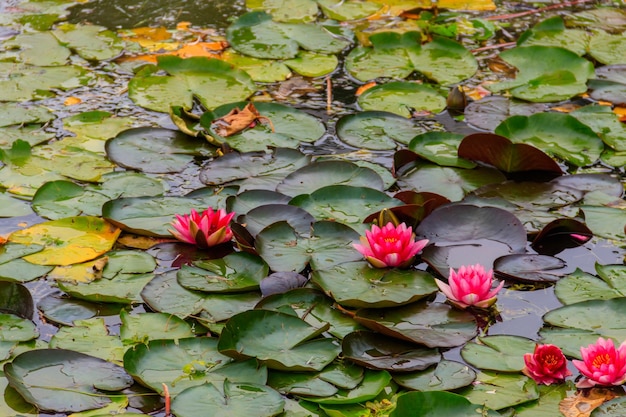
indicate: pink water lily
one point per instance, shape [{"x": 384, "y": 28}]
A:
[
  {"x": 546, "y": 365},
  {"x": 390, "y": 245},
  {"x": 470, "y": 286},
  {"x": 206, "y": 229},
  {"x": 602, "y": 364}
]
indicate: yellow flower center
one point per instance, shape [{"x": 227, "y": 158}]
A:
[
  {"x": 390, "y": 239},
  {"x": 551, "y": 360},
  {"x": 600, "y": 360}
]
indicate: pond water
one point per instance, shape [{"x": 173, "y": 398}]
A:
[{"x": 520, "y": 306}]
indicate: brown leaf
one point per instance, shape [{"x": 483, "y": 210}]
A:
[
  {"x": 585, "y": 401},
  {"x": 141, "y": 242},
  {"x": 237, "y": 120}
]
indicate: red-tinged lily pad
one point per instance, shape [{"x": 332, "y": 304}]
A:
[
  {"x": 463, "y": 234},
  {"x": 529, "y": 268},
  {"x": 280, "y": 282},
  {"x": 438, "y": 404},
  {"x": 561, "y": 234},
  {"x": 312, "y": 306},
  {"x": 447, "y": 375},
  {"x": 426, "y": 323},
  {"x": 533, "y": 196},
  {"x": 417, "y": 206},
  {"x": 357, "y": 284},
  {"x": 186, "y": 363},
  {"x": 237, "y": 272},
  {"x": 254, "y": 170},
  {"x": 16, "y": 299},
  {"x": 376, "y": 351},
  {"x": 279, "y": 340},
  {"x": 65, "y": 381},
  {"x": 503, "y": 154},
  {"x": 68, "y": 241},
  {"x": 587, "y": 183},
  {"x": 325, "y": 245},
  {"x": 231, "y": 399},
  {"x": 155, "y": 150}
]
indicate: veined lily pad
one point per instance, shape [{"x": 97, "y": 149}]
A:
[
  {"x": 529, "y": 268},
  {"x": 447, "y": 375},
  {"x": 604, "y": 47},
  {"x": 440, "y": 148},
  {"x": 236, "y": 272},
  {"x": 260, "y": 70},
  {"x": 65, "y": 381},
  {"x": 444, "y": 60},
  {"x": 605, "y": 123},
  {"x": 310, "y": 64},
  {"x": 187, "y": 363},
  {"x": 143, "y": 327},
  {"x": 246, "y": 201},
  {"x": 286, "y": 10},
  {"x": 41, "y": 49},
  {"x": 376, "y": 130},
  {"x": 68, "y": 241},
  {"x": 327, "y": 244},
  {"x": 374, "y": 351},
  {"x": 343, "y": 10},
  {"x": 501, "y": 390},
  {"x": 212, "y": 81},
  {"x": 498, "y": 353},
  {"x": 12, "y": 114},
  {"x": 90, "y": 337},
  {"x": 279, "y": 340},
  {"x": 546, "y": 73},
  {"x": 581, "y": 286},
  {"x": 426, "y": 323},
  {"x": 155, "y": 150},
  {"x": 304, "y": 384},
  {"x": 558, "y": 134},
  {"x": 488, "y": 112},
  {"x": 91, "y": 42},
  {"x": 357, "y": 284},
  {"x": 344, "y": 203},
  {"x": 259, "y": 218},
  {"x": 402, "y": 98},
  {"x": 16, "y": 329},
  {"x": 13, "y": 268},
  {"x": 552, "y": 32},
  {"x": 370, "y": 387},
  {"x": 437, "y": 404},
  {"x": 243, "y": 399},
  {"x": 607, "y": 222},
  {"x": 164, "y": 294}
]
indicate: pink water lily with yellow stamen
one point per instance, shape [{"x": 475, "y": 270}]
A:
[
  {"x": 390, "y": 245},
  {"x": 206, "y": 229},
  {"x": 602, "y": 364},
  {"x": 470, "y": 286}
]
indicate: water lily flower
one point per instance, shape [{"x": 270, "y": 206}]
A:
[
  {"x": 390, "y": 245},
  {"x": 206, "y": 229},
  {"x": 602, "y": 364},
  {"x": 470, "y": 286},
  {"x": 546, "y": 365}
]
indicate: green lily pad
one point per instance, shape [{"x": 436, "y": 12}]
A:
[
  {"x": 155, "y": 150},
  {"x": 320, "y": 174},
  {"x": 441, "y": 148},
  {"x": 260, "y": 70},
  {"x": 429, "y": 324},
  {"x": 557, "y": 134},
  {"x": 357, "y": 284},
  {"x": 249, "y": 200},
  {"x": 548, "y": 403},
  {"x": 236, "y": 272},
  {"x": 91, "y": 42},
  {"x": 376, "y": 130},
  {"x": 437, "y": 404},
  {"x": 607, "y": 222},
  {"x": 500, "y": 390},
  {"x": 304, "y": 384},
  {"x": 286, "y": 10},
  {"x": 447, "y": 375},
  {"x": 605, "y": 123},
  {"x": 546, "y": 73},
  {"x": 344, "y": 203},
  {"x": 580, "y": 286},
  {"x": 387, "y": 57},
  {"x": 164, "y": 294},
  {"x": 14, "y": 269},
  {"x": 218, "y": 307},
  {"x": 11, "y": 114},
  {"x": 605, "y": 47},
  {"x": 369, "y": 388},
  {"x": 327, "y": 244},
  {"x": 90, "y": 337},
  {"x": 498, "y": 353},
  {"x": 241, "y": 399},
  {"x": 444, "y": 60},
  {"x": 16, "y": 329},
  {"x": 279, "y": 340},
  {"x": 403, "y": 98},
  {"x": 65, "y": 311},
  {"x": 313, "y": 307},
  {"x": 552, "y": 32},
  {"x": 343, "y": 10},
  {"x": 187, "y": 363},
  {"x": 375, "y": 351},
  {"x": 611, "y": 408},
  {"x": 289, "y": 127},
  {"x": 310, "y": 64},
  {"x": 140, "y": 328},
  {"x": 254, "y": 170},
  {"x": 259, "y": 218},
  {"x": 65, "y": 381},
  {"x": 41, "y": 49},
  {"x": 211, "y": 81},
  {"x": 534, "y": 196}
]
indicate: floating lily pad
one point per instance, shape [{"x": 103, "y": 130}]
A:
[
  {"x": 357, "y": 284},
  {"x": 376, "y": 130},
  {"x": 343, "y": 10},
  {"x": 546, "y": 73},
  {"x": 580, "y": 286},
  {"x": 488, "y": 112},
  {"x": 41, "y": 49},
  {"x": 403, "y": 98},
  {"x": 437, "y": 404},
  {"x": 259, "y": 218},
  {"x": 444, "y": 60},
  {"x": 16, "y": 329},
  {"x": 429, "y": 324},
  {"x": 15, "y": 269},
  {"x": 304, "y": 384},
  {"x": 310, "y": 64},
  {"x": 440, "y": 148},
  {"x": 286, "y": 10},
  {"x": 447, "y": 375},
  {"x": 498, "y": 353},
  {"x": 529, "y": 268},
  {"x": 164, "y": 294},
  {"x": 65, "y": 311},
  {"x": 501, "y": 390},
  {"x": 187, "y": 363},
  {"x": 243, "y": 399},
  {"x": 605, "y": 123},
  {"x": 65, "y": 381},
  {"x": 246, "y": 201},
  {"x": 279, "y": 340},
  {"x": 370, "y": 387},
  {"x": 212, "y": 81},
  {"x": 607, "y": 222},
  {"x": 557, "y": 134},
  {"x": 552, "y": 32},
  {"x": 605, "y": 47},
  {"x": 327, "y": 244},
  {"x": 91, "y": 42},
  {"x": 280, "y": 282},
  {"x": 12, "y": 114},
  {"x": 68, "y": 241},
  {"x": 561, "y": 234},
  {"x": 143, "y": 327},
  {"x": 374, "y": 351},
  {"x": 237, "y": 272},
  {"x": 90, "y": 337}
]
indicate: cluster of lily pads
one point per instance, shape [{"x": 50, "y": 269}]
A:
[{"x": 293, "y": 303}]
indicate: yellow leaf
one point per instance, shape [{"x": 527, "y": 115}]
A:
[
  {"x": 482, "y": 5},
  {"x": 85, "y": 272},
  {"x": 68, "y": 241},
  {"x": 584, "y": 402},
  {"x": 70, "y": 101}
]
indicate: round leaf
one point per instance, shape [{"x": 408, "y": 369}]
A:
[
  {"x": 447, "y": 375},
  {"x": 498, "y": 353},
  {"x": 375, "y": 130},
  {"x": 402, "y": 98}
]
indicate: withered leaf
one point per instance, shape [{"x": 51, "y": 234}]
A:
[
  {"x": 237, "y": 120},
  {"x": 585, "y": 401}
]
